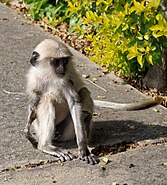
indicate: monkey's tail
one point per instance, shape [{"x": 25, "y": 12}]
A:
[{"x": 126, "y": 106}]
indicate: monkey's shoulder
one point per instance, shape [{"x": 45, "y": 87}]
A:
[{"x": 75, "y": 81}]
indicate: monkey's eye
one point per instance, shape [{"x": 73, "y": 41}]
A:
[
  {"x": 54, "y": 61},
  {"x": 34, "y": 58},
  {"x": 65, "y": 60},
  {"x": 35, "y": 55},
  {"x": 59, "y": 61}
]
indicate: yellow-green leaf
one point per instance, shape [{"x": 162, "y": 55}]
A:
[
  {"x": 153, "y": 48},
  {"x": 158, "y": 34},
  {"x": 131, "y": 55},
  {"x": 126, "y": 8},
  {"x": 149, "y": 59},
  {"x": 70, "y": 4},
  {"x": 138, "y": 7},
  {"x": 119, "y": 22},
  {"x": 146, "y": 37},
  {"x": 87, "y": 15},
  {"x": 139, "y": 36},
  {"x": 164, "y": 163},
  {"x": 125, "y": 27},
  {"x": 105, "y": 19},
  {"x": 159, "y": 17},
  {"x": 142, "y": 49},
  {"x": 147, "y": 49},
  {"x": 133, "y": 49},
  {"x": 156, "y": 27},
  {"x": 92, "y": 16},
  {"x": 139, "y": 59}
]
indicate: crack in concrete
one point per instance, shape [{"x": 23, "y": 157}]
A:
[
  {"x": 125, "y": 145},
  {"x": 31, "y": 165}
]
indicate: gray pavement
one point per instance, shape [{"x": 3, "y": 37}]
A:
[{"x": 20, "y": 163}]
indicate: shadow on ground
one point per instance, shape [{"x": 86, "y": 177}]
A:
[
  {"x": 116, "y": 133},
  {"x": 109, "y": 132}
]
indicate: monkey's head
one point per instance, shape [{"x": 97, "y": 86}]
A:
[{"x": 53, "y": 55}]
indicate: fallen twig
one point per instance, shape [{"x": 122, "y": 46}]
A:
[
  {"x": 96, "y": 85},
  {"x": 13, "y": 93}
]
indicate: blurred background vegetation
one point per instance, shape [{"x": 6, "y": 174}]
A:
[{"x": 125, "y": 36}]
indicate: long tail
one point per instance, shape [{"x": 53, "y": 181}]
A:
[{"x": 126, "y": 106}]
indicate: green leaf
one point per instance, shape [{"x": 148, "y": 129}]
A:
[
  {"x": 139, "y": 36},
  {"x": 132, "y": 43},
  {"x": 163, "y": 41},
  {"x": 73, "y": 20}
]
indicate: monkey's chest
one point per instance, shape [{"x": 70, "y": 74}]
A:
[
  {"x": 56, "y": 92},
  {"x": 60, "y": 105},
  {"x": 61, "y": 111}
]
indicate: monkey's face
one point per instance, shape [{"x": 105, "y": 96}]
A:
[
  {"x": 52, "y": 57},
  {"x": 59, "y": 66}
]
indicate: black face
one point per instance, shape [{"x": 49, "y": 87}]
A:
[
  {"x": 34, "y": 58},
  {"x": 59, "y": 65}
]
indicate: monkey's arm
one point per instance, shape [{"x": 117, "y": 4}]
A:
[
  {"x": 126, "y": 106},
  {"x": 81, "y": 136},
  {"x": 32, "y": 115}
]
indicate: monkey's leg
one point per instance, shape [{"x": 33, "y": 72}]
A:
[
  {"x": 87, "y": 120},
  {"x": 46, "y": 116},
  {"x": 66, "y": 129},
  {"x": 87, "y": 110}
]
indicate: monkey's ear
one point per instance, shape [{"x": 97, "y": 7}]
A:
[{"x": 35, "y": 56}]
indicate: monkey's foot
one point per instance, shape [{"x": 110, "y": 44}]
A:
[
  {"x": 89, "y": 158},
  {"x": 61, "y": 154},
  {"x": 32, "y": 140}
]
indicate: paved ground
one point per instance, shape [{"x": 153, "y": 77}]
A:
[{"x": 21, "y": 164}]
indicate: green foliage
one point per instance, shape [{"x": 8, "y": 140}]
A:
[
  {"x": 125, "y": 35},
  {"x": 53, "y": 10}
]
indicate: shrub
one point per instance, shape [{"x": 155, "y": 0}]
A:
[{"x": 126, "y": 35}]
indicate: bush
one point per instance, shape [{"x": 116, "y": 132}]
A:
[
  {"x": 126, "y": 35},
  {"x": 53, "y": 10}
]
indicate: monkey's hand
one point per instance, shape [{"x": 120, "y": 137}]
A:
[
  {"x": 31, "y": 117},
  {"x": 88, "y": 157}
]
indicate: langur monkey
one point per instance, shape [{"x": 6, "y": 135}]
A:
[{"x": 60, "y": 106}]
